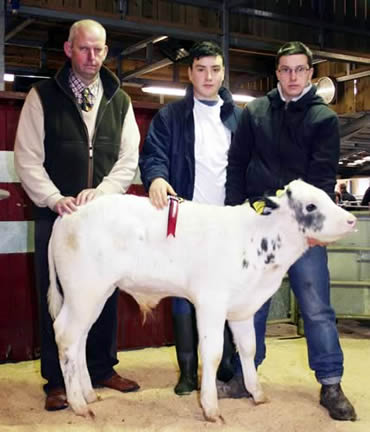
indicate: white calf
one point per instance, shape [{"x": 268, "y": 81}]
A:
[{"x": 226, "y": 260}]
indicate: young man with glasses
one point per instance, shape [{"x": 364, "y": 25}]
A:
[{"x": 291, "y": 133}]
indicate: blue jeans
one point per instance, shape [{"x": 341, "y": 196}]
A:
[{"x": 309, "y": 280}]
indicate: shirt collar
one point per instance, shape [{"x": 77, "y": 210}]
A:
[
  {"x": 77, "y": 86},
  {"x": 305, "y": 90}
]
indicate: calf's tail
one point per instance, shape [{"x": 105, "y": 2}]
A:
[{"x": 55, "y": 299}]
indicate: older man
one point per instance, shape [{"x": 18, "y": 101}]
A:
[{"x": 77, "y": 139}]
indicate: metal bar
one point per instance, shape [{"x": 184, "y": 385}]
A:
[
  {"x": 353, "y": 316},
  {"x": 356, "y": 284},
  {"x": 341, "y": 57},
  {"x": 19, "y": 28},
  {"x": 32, "y": 72},
  {"x": 257, "y": 13},
  {"x": 2, "y": 57},
  {"x": 354, "y": 125},
  {"x": 119, "y": 24},
  {"x": 245, "y": 42},
  {"x": 146, "y": 69},
  {"x": 149, "y": 53},
  {"x": 232, "y": 4},
  {"x": 141, "y": 45},
  {"x": 225, "y": 42},
  {"x": 210, "y": 4},
  {"x": 353, "y": 76},
  {"x": 253, "y": 44},
  {"x": 140, "y": 82}
]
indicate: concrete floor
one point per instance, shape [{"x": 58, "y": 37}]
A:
[{"x": 289, "y": 384}]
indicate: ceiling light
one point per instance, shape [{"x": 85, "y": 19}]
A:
[
  {"x": 242, "y": 98},
  {"x": 173, "y": 91},
  {"x": 168, "y": 91},
  {"x": 8, "y": 77}
]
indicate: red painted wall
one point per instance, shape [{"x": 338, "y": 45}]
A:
[{"x": 19, "y": 336}]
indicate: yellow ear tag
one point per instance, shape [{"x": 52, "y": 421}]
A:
[
  {"x": 259, "y": 206},
  {"x": 279, "y": 192}
]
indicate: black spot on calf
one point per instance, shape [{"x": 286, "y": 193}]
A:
[
  {"x": 270, "y": 258},
  {"x": 313, "y": 220}
]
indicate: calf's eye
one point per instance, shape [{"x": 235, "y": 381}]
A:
[{"x": 311, "y": 207}]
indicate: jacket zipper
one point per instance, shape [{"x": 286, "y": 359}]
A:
[{"x": 90, "y": 167}]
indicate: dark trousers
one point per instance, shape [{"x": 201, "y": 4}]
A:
[{"x": 101, "y": 342}]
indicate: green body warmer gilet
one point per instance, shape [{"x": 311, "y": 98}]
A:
[{"x": 69, "y": 162}]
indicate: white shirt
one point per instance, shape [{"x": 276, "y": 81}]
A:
[{"x": 212, "y": 142}]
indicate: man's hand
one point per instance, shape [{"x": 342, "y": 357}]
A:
[
  {"x": 65, "y": 205},
  {"x": 158, "y": 191},
  {"x": 70, "y": 204},
  {"x": 313, "y": 242},
  {"x": 87, "y": 195}
]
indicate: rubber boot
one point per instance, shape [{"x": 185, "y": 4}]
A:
[
  {"x": 226, "y": 369},
  {"x": 186, "y": 339}
]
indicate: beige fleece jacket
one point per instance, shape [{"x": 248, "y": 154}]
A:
[{"x": 29, "y": 154}]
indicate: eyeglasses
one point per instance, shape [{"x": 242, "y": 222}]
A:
[{"x": 299, "y": 70}]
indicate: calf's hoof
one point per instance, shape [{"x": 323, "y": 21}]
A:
[
  {"x": 218, "y": 419},
  {"x": 337, "y": 404},
  {"x": 260, "y": 399},
  {"x": 83, "y": 411},
  {"x": 92, "y": 397}
]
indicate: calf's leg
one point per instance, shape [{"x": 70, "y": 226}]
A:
[
  {"x": 210, "y": 329},
  {"x": 85, "y": 380},
  {"x": 68, "y": 334},
  {"x": 245, "y": 340}
]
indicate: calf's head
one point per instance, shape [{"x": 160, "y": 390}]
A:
[{"x": 318, "y": 217}]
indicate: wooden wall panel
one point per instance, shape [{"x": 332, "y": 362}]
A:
[
  {"x": 19, "y": 334},
  {"x": 134, "y": 333},
  {"x": 345, "y": 100},
  {"x": 363, "y": 94}
]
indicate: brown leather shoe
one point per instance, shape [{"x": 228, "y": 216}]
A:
[
  {"x": 118, "y": 383},
  {"x": 56, "y": 399}
]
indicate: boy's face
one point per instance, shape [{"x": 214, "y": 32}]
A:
[
  {"x": 293, "y": 73},
  {"x": 207, "y": 75}
]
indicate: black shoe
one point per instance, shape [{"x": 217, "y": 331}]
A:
[
  {"x": 226, "y": 368},
  {"x": 335, "y": 401},
  {"x": 234, "y": 389},
  {"x": 186, "y": 385}
]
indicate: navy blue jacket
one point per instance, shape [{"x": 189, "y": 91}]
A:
[
  {"x": 168, "y": 150},
  {"x": 278, "y": 142}
]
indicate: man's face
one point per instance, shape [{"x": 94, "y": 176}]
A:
[
  {"x": 293, "y": 73},
  {"x": 87, "y": 52},
  {"x": 206, "y": 75}
]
